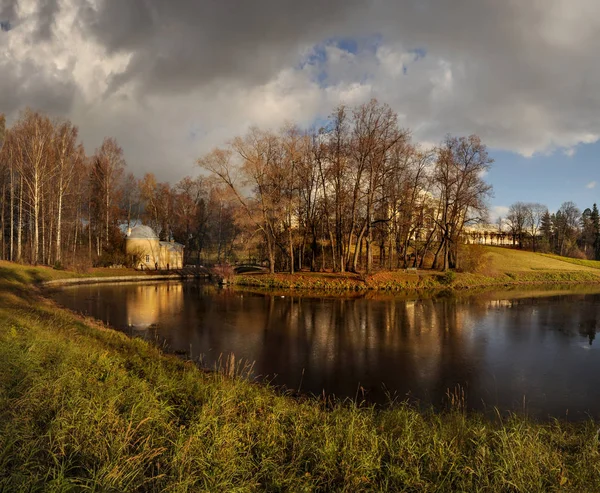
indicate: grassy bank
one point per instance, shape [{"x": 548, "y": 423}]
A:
[
  {"x": 34, "y": 275},
  {"x": 502, "y": 267},
  {"x": 84, "y": 407}
]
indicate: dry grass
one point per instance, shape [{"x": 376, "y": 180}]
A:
[
  {"x": 500, "y": 266},
  {"x": 86, "y": 408},
  {"x": 504, "y": 260}
]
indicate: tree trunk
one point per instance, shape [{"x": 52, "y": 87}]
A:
[
  {"x": 271, "y": 254},
  {"x": 20, "y": 222},
  {"x": 369, "y": 238},
  {"x": 358, "y": 248},
  {"x": 3, "y": 222},
  {"x": 446, "y": 256},
  {"x": 12, "y": 213},
  {"x": 36, "y": 224},
  {"x": 291, "y": 246},
  {"x": 59, "y": 225}
]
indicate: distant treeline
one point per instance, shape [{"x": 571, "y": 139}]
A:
[
  {"x": 356, "y": 194},
  {"x": 568, "y": 232},
  {"x": 61, "y": 206}
]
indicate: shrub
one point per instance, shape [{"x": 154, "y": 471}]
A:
[
  {"x": 79, "y": 262},
  {"x": 448, "y": 277},
  {"x": 223, "y": 272},
  {"x": 472, "y": 258},
  {"x": 575, "y": 252}
]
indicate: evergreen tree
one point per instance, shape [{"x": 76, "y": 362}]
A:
[
  {"x": 587, "y": 238},
  {"x": 595, "y": 220},
  {"x": 546, "y": 231}
]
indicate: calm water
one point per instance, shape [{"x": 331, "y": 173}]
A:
[{"x": 508, "y": 350}]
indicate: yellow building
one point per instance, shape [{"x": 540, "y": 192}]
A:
[{"x": 149, "y": 252}]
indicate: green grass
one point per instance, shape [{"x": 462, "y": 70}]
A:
[
  {"x": 503, "y": 266},
  {"x": 515, "y": 261},
  {"x": 37, "y": 274},
  {"x": 594, "y": 264},
  {"x": 87, "y": 408}
]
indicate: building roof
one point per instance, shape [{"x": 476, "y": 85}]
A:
[
  {"x": 171, "y": 246},
  {"x": 142, "y": 232}
]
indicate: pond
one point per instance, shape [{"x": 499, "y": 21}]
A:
[{"x": 527, "y": 350}]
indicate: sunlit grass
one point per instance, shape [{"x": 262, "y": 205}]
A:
[
  {"x": 86, "y": 408},
  {"x": 510, "y": 260},
  {"x": 36, "y": 274},
  {"x": 594, "y": 264},
  {"x": 502, "y": 266}
]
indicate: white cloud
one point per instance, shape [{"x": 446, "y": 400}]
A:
[
  {"x": 497, "y": 212},
  {"x": 591, "y": 185},
  {"x": 444, "y": 68}
]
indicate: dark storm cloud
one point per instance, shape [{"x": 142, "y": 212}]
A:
[
  {"x": 8, "y": 10},
  {"x": 523, "y": 74},
  {"x": 27, "y": 84},
  {"x": 181, "y": 44},
  {"x": 45, "y": 16}
]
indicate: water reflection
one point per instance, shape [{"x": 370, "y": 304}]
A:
[{"x": 501, "y": 348}]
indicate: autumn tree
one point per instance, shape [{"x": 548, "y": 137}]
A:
[
  {"x": 2, "y": 129},
  {"x": 33, "y": 136},
  {"x": 131, "y": 199},
  {"x": 108, "y": 164},
  {"x": 566, "y": 226},
  {"x": 257, "y": 166},
  {"x": 460, "y": 165},
  {"x": 332, "y": 156},
  {"x": 536, "y": 213},
  {"x": 68, "y": 157},
  {"x": 374, "y": 134},
  {"x": 517, "y": 220}
]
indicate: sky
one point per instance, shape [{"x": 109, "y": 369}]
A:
[{"x": 170, "y": 80}]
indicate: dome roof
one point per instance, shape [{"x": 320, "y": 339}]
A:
[{"x": 142, "y": 232}]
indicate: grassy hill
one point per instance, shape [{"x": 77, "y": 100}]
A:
[
  {"x": 503, "y": 260},
  {"x": 500, "y": 267}
]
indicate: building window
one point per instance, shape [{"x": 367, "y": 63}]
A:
[{"x": 147, "y": 258}]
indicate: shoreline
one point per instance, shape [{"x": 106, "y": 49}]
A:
[
  {"x": 390, "y": 281},
  {"x": 83, "y": 405},
  {"x": 118, "y": 279}
]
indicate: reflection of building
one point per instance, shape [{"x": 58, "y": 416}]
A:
[
  {"x": 147, "y": 304},
  {"x": 151, "y": 253}
]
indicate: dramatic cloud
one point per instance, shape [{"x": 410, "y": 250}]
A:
[{"x": 172, "y": 79}]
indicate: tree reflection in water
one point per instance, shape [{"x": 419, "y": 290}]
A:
[{"x": 498, "y": 347}]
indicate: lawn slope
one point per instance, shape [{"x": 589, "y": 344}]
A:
[{"x": 502, "y": 267}]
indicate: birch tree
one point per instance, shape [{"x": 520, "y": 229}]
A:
[
  {"x": 67, "y": 156},
  {"x": 107, "y": 168}
]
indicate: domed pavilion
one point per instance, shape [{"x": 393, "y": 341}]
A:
[{"x": 145, "y": 246}]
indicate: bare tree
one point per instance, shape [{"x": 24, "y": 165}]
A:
[
  {"x": 461, "y": 162},
  {"x": 518, "y": 220},
  {"x": 68, "y": 156},
  {"x": 258, "y": 152},
  {"x": 34, "y": 133},
  {"x": 107, "y": 168},
  {"x": 535, "y": 214},
  {"x": 566, "y": 225}
]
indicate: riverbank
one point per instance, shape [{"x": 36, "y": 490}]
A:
[
  {"x": 83, "y": 406},
  {"x": 48, "y": 277},
  {"x": 503, "y": 267}
]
